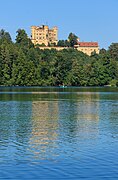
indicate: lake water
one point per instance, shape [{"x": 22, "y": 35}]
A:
[{"x": 59, "y": 133}]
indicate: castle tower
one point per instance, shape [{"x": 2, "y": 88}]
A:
[{"x": 44, "y": 35}]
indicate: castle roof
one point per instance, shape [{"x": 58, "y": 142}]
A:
[{"x": 88, "y": 44}]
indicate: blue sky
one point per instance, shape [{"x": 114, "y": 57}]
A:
[{"x": 91, "y": 20}]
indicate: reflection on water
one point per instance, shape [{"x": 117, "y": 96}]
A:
[
  {"x": 44, "y": 127},
  {"x": 54, "y": 122},
  {"x": 60, "y": 132}
]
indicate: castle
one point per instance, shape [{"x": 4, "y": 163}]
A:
[
  {"x": 45, "y": 37},
  {"x": 88, "y": 47}
]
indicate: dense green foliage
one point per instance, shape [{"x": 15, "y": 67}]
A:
[
  {"x": 70, "y": 42},
  {"x": 23, "y": 64}
]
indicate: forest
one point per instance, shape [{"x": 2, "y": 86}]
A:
[{"x": 23, "y": 64}]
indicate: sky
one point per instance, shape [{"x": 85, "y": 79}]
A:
[{"x": 90, "y": 20}]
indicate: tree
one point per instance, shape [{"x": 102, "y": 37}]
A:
[
  {"x": 61, "y": 43},
  {"x": 72, "y": 38},
  {"x": 102, "y": 51},
  {"x": 67, "y": 43},
  {"x": 22, "y": 39},
  {"x": 5, "y": 36},
  {"x": 113, "y": 50}
]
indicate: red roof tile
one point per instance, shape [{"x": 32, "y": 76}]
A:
[{"x": 88, "y": 44}]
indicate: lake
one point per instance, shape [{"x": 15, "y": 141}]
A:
[{"x": 59, "y": 133}]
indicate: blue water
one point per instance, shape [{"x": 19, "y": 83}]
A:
[{"x": 58, "y": 133}]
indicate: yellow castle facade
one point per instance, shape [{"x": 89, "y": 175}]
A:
[
  {"x": 44, "y": 36},
  {"x": 87, "y": 47}
]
